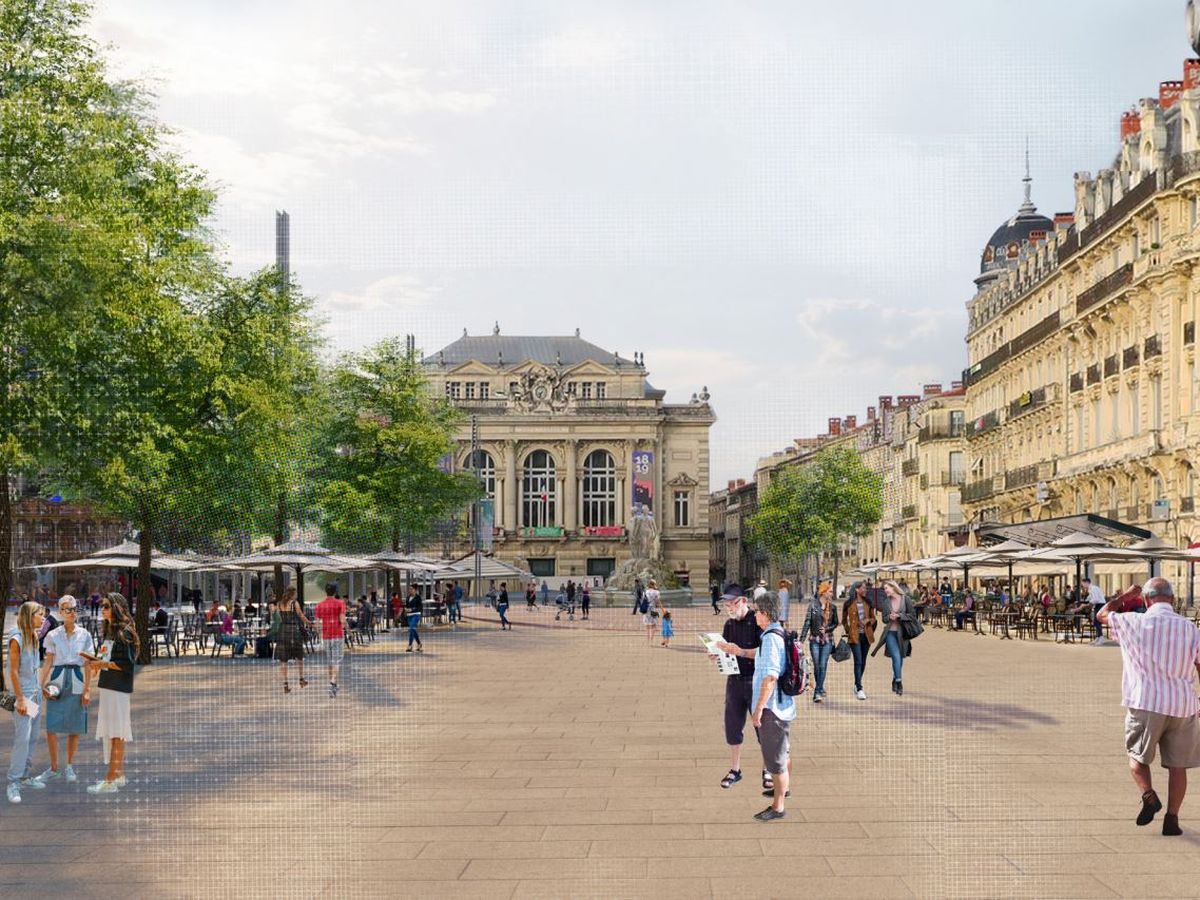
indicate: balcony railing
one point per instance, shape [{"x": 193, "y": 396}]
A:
[
  {"x": 910, "y": 466},
  {"x": 1140, "y": 193},
  {"x": 1130, "y": 357},
  {"x": 1131, "y": 513},
  {"x": 979, "y": 489},
  {"x": 1093, "y": 373},
  {"x": 983, "y": 423},
  {"x": 908, "y": 512},
  {"x": 1111, "y": 366},
  {"x": 1076, "y": 382},
  {"x": 1021, "y": 477},
  {"x": 1019, "y": 344},
  {"x": 1027, "y": 402},
  {"x": 1153, "y": 346},
  {"x": 1105, "y": 287},
  {"x": 1189, "y": 333},
  {"x": 940, "y": 432},
  {"x": 1187, "y": 504}
]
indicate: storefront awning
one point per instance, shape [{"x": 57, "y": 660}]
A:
[{"x": 1038, "y": 534}]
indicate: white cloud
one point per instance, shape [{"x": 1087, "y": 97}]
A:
[{"x": 395, "y": 292}]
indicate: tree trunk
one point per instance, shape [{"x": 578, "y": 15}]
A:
[
  {"x": 6, "y": 571},
  {"x": 141, "y": 615},
  {"x": 836, "y": 554}
]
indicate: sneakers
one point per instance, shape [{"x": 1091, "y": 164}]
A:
[
  {"x": 333, "y": 688},
  {"x": 14, "y": 792},
  {"x": 34, "y": 783},
  {"x": 48, "y": 775},
  {"x": 770, "y": 814},
  {"x": 102, "y": 787},
  {"x": 860, "y": 694},
  {"x": 817, "y": 698},
  {"x": 69, "y": 774},
  {"x": 120, "y": 781}
]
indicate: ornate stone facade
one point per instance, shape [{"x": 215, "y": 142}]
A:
[{"x": 563, "y": 427}]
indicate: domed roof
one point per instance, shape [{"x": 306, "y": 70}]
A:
[{"x": 1003, "y": 249}]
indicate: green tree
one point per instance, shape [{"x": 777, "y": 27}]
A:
[
  {"x": 385, "y": 441},
  {"x": 815, "y": 507},
  {"x": 87, "y": 204}
]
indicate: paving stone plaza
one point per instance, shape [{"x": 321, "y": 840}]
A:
[{"x": 573, "y": 759}]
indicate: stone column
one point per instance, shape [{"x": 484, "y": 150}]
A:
[
  {"x": 570, "y": 500},
  {"x": 511, "y": 488}
]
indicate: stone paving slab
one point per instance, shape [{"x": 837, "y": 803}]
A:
[{"x": 573, "y": 759}]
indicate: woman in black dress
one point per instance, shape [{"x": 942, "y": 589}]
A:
[{"x": 292, "y": 623}]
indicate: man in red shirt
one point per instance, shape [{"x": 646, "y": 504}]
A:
[{"x": 332, "y": 614}]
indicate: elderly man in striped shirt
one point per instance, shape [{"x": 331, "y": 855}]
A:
[{"x": 1161, "y": 653}]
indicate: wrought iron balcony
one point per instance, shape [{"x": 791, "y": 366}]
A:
[
  {"x": 910, "y": 466},
  {"x": 1153, "y": 346},
  {"x": 1189, "y": 333},
  {"x": 1027, "y": 402},
  {"x": 1130, "y": 357},
  {"x": 1187, "y": 504},
  {"x": 1104, "y": 288},
  {"x": 940, "y": 432},
  {"x": 979, "y": 489},
  {"x": 1026, "y": 475},
  {"x": 1111, "y": 366},
  {"x": 953, "y": 477},
  {"x": 1076, "y": 382},
  {"x": 983, "y": 423},
  {"x": 1093, "y": 373}
]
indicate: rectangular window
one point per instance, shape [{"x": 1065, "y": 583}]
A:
[
  {"x": 1135, "y": 413},
  {"x": 957, "y": 420},
  {"x": 601, "y": 566},
  {"x": 683, "y": 509},
  {"x": 1096, "y": 439},
  {"x": 454, "y": 390},
  {"x": 1193, "y": 211},
  {"x": 1156, "y": 404},
  {"x": 585, "y": 390},
  {"x": 470, "y": 390},
  {"x": 541, "y": 568},
  {"x": 601, "y": 390},
  {"x": 957, "y": 470},
  {"x": 1079, "y": 428},
  {"x": 484, "y": 390},
  {"x": 512, "y": 388},
  {"x": 1115, "y": 414},
  {"x": 571, "y": 388}
]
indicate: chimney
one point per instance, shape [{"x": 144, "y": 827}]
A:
[
  {"x": 956, "y": 385},
  {"x": 732, "y": 485},
  {"x": 870, "y": 414},
  {"x": 851, "y": 422},
  {"x": 907, "y": 400},
  {"x": 1191, "y": 74},
  {"x": 835, "y": 427},
  {"x": 885, "y": 402},
  {"x": 1169, "y": 93},
  {"x": 741, "y": 482},
  {"x": 1131, "y": 123},
  {"x": 1063, "y": 220},
  {"x": 931, "y": 390}
]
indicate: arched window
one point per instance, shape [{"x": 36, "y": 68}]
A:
[
  {"x": 539, "y": 492},
  {"x": 599, "y": 490},
  {"x": 481, "y": 463}
]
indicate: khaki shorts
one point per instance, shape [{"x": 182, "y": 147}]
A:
[
  {"x": 773, "y": 738},
  {"x": 335, "y": 649},
  {"x": 1177, "y": 736}
]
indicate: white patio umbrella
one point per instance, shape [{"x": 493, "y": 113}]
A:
[
  {"x": 125, "y": 555},
  {"x": 1080, "y": 547},
  {"x": 298, "y": 555},
  {"x": 1007, "y": 550}
]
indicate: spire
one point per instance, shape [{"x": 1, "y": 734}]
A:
[{"x": 1027, "y": 206}]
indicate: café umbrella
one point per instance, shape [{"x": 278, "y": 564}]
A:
[{"x": 297, "y": 555}]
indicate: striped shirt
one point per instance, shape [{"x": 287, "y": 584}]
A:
[{"x": 1161, "y": 650}]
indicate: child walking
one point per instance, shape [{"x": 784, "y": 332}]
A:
[{"x": 668, "y": 630}]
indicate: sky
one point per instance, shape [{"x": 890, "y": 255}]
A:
[{"x": 782, "y": 201}]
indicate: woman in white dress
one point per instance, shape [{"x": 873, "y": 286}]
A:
[{"x": 118, "y": 655}]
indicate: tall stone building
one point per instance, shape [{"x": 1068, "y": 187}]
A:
[
  {"x": 1083, "y": 389},
  {"x": 571, "y": 438}
]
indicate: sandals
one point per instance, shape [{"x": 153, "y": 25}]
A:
[
  {"x": 734, "y": 776},
  {"x": 287, "y": 688},
  {"x": 767, "y": 781},
  {"x": 303, "y": 682}
]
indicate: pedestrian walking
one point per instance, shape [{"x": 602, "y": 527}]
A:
[
  {"x": 773, "y": 710},
  {"x": 1095, "y": 596},
  {"x": 820, "y": 622},
  {"x": 456, "y": 594},
  {"x": 331, "y": 612},
  {"x": 651, "y": 600},
  {"x": 639, "y": 595},
  {"x": 545, "y": 592},
  {"x": 413, "y": 607},
  {"x": 530, "y": 597},
  {"x": 115, "y": 666},
  {"x": 290, "y": 645},
  {"x": 714, "y": 592},
  {"x": 899, "y": 617},
  {"x": 585, "y": 599},
  {"x": 741, "y": 637},
  {"x": 785, "y": 600},
  {"x": 858, "y": 618},
  {"x": 1160, "y": 653},
  {"x": 24, "y": 658},
  {"x": 64, "y": 687},
  {"x": 502, "y": 607},
  {"x": 668, "y": 629}
]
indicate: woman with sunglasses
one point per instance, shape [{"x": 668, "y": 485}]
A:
[
  {"x": 64, "y": 687},
  {"x": 23, "y": 659},
  {"x": 115, "y": 667}
]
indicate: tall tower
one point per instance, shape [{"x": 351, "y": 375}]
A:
[{"x": 283, "y": 245}]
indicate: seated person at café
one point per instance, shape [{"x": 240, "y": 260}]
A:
[
  {"x": 226, "y": 635},
  {"x": 211, "y": 614},
  {"x": 967, "y": 610},
  {"x": 158, "y": 616},
  {"x": 238, "y": 614},
  {"x": 263, "y": 645}
]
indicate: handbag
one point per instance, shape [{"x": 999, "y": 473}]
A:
[
  {"x": 8, "y": 701},
  {"x": 841, "y": 652},
  {"x": 911, "y": 628}
]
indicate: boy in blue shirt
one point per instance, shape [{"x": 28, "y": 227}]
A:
[{"x": 771, "y": 708}]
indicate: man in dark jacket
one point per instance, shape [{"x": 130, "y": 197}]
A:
[{"x": 742, "y": 636}]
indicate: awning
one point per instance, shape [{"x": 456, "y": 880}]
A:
[{"x": 1047, "y": 531}]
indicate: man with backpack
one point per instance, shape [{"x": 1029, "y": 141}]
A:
[{"x": 773, "y": 708}]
